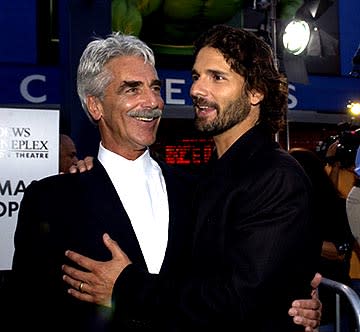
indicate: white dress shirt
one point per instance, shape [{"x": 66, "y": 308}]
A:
[{"x": 141, "y": 187}]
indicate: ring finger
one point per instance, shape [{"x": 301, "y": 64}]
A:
[{"x": 74, "y": 283}]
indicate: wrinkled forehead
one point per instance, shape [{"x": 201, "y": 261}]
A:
[{"x": 131, "y": 68}]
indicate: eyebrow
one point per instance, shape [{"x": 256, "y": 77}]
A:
[
  {"x": 131, "y": 84},
  {"x": 134, "y": 84},
  {"x": 156, "y": 82},
  {"x": 211, "y": 72}
]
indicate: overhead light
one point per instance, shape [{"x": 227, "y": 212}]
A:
[
  {"x": 321, "y": 42},
  {"x": 313, "y": 43},
  {"x": 353, "y": 108},
  {"x": 296, "y": 36}
]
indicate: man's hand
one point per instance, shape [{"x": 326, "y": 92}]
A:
[
  {"x": 308, "y": 312},
  {"x": 82, "y": 165},
  {"x": 95, "y": 285}
]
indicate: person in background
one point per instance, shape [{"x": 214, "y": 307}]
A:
[
  {"x": 343, "y": 174},
  {"x": 254, "y": 242},
  {"x": 353, "y": 214},
  {"x": 330, "y": 213},
  {"x": 340, "y": 170},
  {"x": 68, "y": 153}
]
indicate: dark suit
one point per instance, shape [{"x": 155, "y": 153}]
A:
[
  {"x": 254, "y": 247},
  {"x": 72, "y": 211}
]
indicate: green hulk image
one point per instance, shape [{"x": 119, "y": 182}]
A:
[
  {"x": 175, "y": 24},
  {"x": 127, "y": 15}
]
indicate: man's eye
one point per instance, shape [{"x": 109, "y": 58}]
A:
[{"x": 218, "y": 77}]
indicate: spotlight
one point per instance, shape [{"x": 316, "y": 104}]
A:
[
  {"x": 309, "y": 41},
  {"x": 353, "y": 108},
  {"x": 296, "y": 36}
]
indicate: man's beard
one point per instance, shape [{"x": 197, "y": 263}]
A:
[{"x": 234, "y": 113}]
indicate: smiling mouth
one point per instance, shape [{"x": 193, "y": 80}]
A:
[
  {"x": 204, "y": 109},
  {"x": 140, "y": 118}
]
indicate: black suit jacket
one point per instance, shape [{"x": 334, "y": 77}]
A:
[
  {"x": 254, "y": 248},
  {"x": 72, "y": 211}
]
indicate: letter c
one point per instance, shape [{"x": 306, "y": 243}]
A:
[{"x": 24, "y": 88}]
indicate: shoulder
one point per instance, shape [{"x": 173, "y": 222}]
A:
[
  {"x": 50, "y": 187},
  {"x": 66, "y": 183},
  {"x": 277, "y": 163},
  {"x": 354, "y": 196}
]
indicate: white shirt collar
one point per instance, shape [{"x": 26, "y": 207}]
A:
[
  {"x": 142, "y": 190},
  {"x": 112, "y": 162}
]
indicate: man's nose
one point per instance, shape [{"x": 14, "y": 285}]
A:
[
  {"x": 152, "y": 100},
  {"x": 198, "y": 88}
]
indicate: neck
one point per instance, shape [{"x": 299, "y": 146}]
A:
[
  {"x": 224, "y": 140},
  {"x": 125, "y": 152}
]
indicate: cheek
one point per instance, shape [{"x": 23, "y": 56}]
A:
[
  {"x": 116, "y": 108},
  {"x": 126, "y": 104},
  {"x": 230, "y": 96},
  {"x": 161, "y": 104}
]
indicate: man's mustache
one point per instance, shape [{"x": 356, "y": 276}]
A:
[
  {"x": 146, "y": 113},
  {"x": 199, "y": 101}
]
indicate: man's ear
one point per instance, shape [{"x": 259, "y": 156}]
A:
[
  {"x": 255, "y": 97},
  {"x": 94, "y": 107}
]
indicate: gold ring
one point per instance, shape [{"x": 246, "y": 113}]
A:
[{"x": 81, "y": 287}]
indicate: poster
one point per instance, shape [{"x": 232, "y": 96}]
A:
[{"x": 29, "y": 150}]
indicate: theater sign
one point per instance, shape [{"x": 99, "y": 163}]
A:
[{"x": 29, "y": 150}]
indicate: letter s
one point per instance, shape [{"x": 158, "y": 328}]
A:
[{"x": 292, "y": 100}]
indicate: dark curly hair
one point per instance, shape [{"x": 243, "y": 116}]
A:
[{"x": 252, "y": 58}]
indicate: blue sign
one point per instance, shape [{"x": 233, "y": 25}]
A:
[
  {"x": 33, "y": 85},
  {"x": 18, "y": 33}
]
